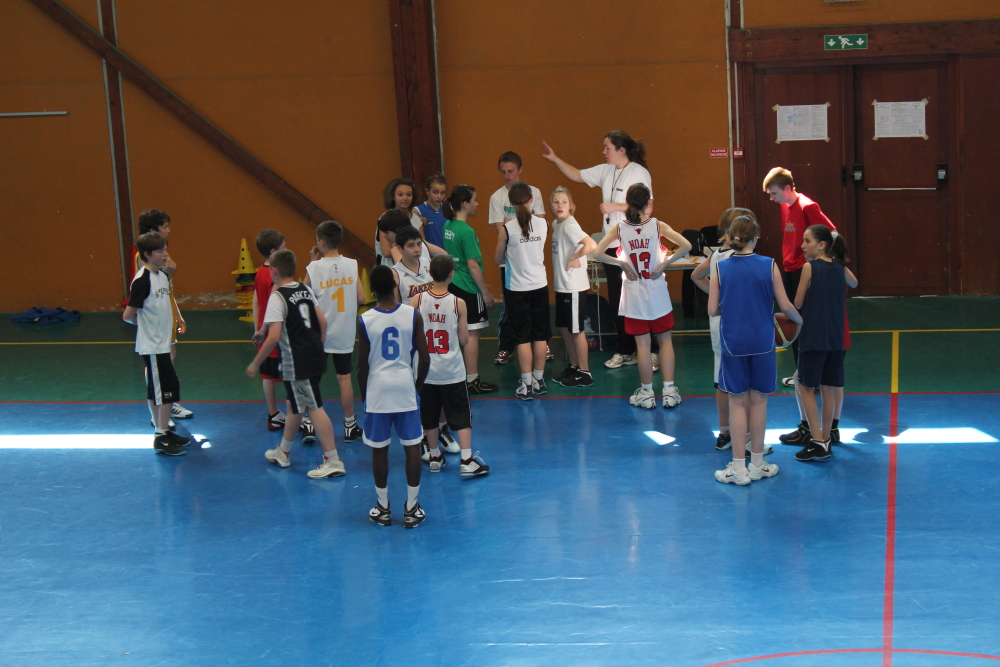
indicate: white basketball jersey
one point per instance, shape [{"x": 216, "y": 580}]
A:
[
  {"x": 411, "y": 284},
  {"x": 526, "y": 256},
  {"x": 440, "y": 313},
  {"x": 390, "y": 359},
  {"x": 334, "y": 281},
  {"x": 645, "y": 298}
]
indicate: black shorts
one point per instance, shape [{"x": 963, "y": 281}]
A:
[
  {"x": 162, "y": 385},
  {"x": 270, "y": 368},
  {"x": 454, "y": 398},
  {"x": 528, "y": 314},
  {"x": 304, "y": 395},
  {"x": 477, "y": 317},
  {"x": 821, "y": 368},
  {"x": 342, "y": 364},
  {"x": 569, "y": 310}
]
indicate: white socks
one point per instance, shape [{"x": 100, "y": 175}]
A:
[
  {"x": 470, "y": 378},
  {"x": 756, "y": 460},
  {"x": 647, "y": 386},
  {"x": 286, "y": 445},
  {"x": 383, "y": 496},
  {"x": 466, "y": 454},
  {"x": 538, "y": 375},
  {"x": 739, "y": 465},
  {"x": 526, "y": 378},
  {"x": 411, "y": 496}
]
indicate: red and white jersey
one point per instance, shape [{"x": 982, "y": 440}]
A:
[
  {"x": 410, "y": 283},
  {"x": 645, "y": 298},
  {"x": 440, "y": 313}
]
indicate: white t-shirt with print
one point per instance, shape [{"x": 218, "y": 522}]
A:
[
  {"x": 566, "y": 237},
  {"x": 614, "y": 183},
  {"x": 501, "y": 208}
]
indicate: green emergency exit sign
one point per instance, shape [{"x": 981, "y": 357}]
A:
[{"x": 844, "y": 42}]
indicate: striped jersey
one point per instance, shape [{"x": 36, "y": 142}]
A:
[
  {"x": 746, "y": 302},
  {"x": 526, "y": 255},
  {"x": 645, "y": 298},
  {"x": 302, "y": 356},
  {"x": 334, "y": 281},
  {"x": 391, "y": 340},
  {"x": 440, "y": 313},
  {"x": 413, "y": 283}
]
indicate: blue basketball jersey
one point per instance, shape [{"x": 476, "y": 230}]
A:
[
  {"x": 746, "y": 299},
  {"x": 391, "y": 344}
]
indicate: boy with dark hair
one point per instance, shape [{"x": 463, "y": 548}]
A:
[
  {"x": 335, "y": 280},
  {"x": 150, "y": 308},
  {"x": 446, "y": 325},
  {"x": 269, "y": 241},
  {"x": 159, "y": 222},
  {"x": 501, "y": 210},
  {"x": 798, "y": 213},
  {"x": 295, "y": 323},
  {"x": 388, "y": 336}
]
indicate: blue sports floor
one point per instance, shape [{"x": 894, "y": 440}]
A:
[{"x": 590, "y": 543}]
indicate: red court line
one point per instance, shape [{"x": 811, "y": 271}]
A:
[
  {"x": 793, "y": 654},
  {"x": 889, "y": 593}
]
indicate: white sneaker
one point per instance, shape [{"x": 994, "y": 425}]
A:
[
  {"x": 619, "y": 360},
  {"x": 447, "y": 442},
  {"x": 523, "y": 391},
  {"x": 766, "y": 470},
  {"x": 671, "y": 397},
  {"x": 328, "y": 468},
  {"x": 656, "y": 362},
  {"x": 178, "y": 411},
  {"x": 278, "y": 457},
  {"x": 729, "y": 475},
  {"x": 643, "y": 398}
]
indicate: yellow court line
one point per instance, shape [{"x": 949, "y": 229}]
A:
[
  {"x": 922, "y": 331},
  {"x": 894, "y": 387}
]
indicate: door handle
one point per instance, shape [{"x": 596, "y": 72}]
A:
[{"x": 942, "y": 179}]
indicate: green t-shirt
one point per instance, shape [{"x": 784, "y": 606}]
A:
[{"x": 461, "y": 242}]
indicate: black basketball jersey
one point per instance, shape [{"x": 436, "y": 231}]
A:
[{"x": 302, "y": 355}]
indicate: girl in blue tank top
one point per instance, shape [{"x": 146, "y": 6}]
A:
[
  {"x": 822, "y": 299},
  {"x": 743, "y": 292}
]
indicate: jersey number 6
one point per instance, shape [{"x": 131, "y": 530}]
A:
[{"x": 390, "y": 343}]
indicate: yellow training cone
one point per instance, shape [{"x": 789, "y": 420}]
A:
[{"x": 246, "y": 263}]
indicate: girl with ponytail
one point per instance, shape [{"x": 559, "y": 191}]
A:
[
  {"x": 521, "y": 244},
  {"x": 625, "y": 166},
  {"x": 822, "y": 298},
  {"x": 645, "y": 303}
]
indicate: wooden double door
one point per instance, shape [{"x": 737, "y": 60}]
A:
[{"x": 889, "y": 196}]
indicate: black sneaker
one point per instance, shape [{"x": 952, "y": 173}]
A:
[
  {"x": 175, "y": 439},
  {"x": 538, "y": 387},
  {"x": 725, "y": 441},
  {"x": 352, "y": 433},
  {"x": 380, "y": 515},
  {"x": 834, "y": 436},
  {"x": 477, "y": 386},
  {"x": 413, "y": 517},
  {"x": 800, "y": 436},
  {"x": 308, "y": 431},
  {"x": 163, "y": 445},
  {"x": 580, "y": 379},
  {"x": 814, "y": 451},
  {"x": 567, "y": 373},
  {"x": 473, "y": 467}
]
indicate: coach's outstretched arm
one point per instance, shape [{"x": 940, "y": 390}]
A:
[{"x": 569, "y": 170}]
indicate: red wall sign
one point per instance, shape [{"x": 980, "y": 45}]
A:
[
  {"x": 718, "y": 152},
  {"x": 737, "y": 152}
]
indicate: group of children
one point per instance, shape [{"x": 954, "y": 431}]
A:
[{"x": 418, "y": 345}]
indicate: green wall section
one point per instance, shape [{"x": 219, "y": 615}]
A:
[{"x": 94, "y": 359}]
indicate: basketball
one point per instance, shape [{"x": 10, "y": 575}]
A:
[{"x": 785, "y": 331}]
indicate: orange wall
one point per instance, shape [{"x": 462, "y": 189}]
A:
[
  {"x": 515, "y": 73},
  {"x": 309, "y": 91},
  {"x": 779, "y": 13},
  {"x": 57, "y": 206}
]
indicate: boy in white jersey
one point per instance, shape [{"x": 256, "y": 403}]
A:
[
  {"x": 447, "y": 330},
  {"x": 412, "y": 276},
  {"x": 645, "y": 302},
  {"x": 569, "y": 245},
  {"x": 294, "y": 323},
  {"x": 388, "y": 336},
  {"x": 335, "y": 281},
  {"x": 150, "y": 308}
]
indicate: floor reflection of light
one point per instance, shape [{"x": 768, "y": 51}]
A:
[
  {"x": 771, "y": 435},
  {"x": 944, "y": 436},
  {"x": 78, "y": 441},
  {"x": 199, "y": 439},
  {"x": 659, "y": 438}
]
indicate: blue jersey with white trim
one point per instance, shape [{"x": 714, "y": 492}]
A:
[
  {"x": 391, "y": 346},
  {"x": 746, "y": 302}
]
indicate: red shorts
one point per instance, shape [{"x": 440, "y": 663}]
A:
[{"x": 655, "y": 327}]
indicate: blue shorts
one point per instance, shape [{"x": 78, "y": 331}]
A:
[
  {"x": 759, "y": 372},
  {"x": 378, "y": 428},
  {"x": 824, "y": 368}
]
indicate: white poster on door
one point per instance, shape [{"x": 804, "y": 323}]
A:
[
  {"x": 802, "y": 122},
  {"x": 900, "y": 119}
]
